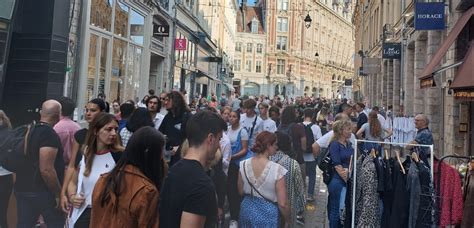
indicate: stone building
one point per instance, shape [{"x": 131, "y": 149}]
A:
[
  {"x": 314, "y": 58},
  {"x": 249, "y": 58},
  {"x": 434, "y": 73}
]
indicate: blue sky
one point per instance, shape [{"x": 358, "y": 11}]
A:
[{"x": 249, "y": 2}]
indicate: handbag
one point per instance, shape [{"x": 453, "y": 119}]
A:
[{"x": 238, "y": 147}]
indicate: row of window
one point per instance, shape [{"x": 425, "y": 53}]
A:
[
  {"x": 258, "y": 66},
  {"x": 238, "y": 47}
]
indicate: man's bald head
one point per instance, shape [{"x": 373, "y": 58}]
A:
[
  {"x": 50, "y": 111},
  {"x": 421, "y": 121}
]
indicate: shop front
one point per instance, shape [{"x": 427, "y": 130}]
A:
[{"x": 114, "y": 61}]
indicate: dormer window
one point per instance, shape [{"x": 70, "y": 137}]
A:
[{"x": 254, "y": 25}]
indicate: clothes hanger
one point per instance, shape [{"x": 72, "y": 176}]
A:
[
  {"x": 397, "y": 153},
  {"x": 373, "y": 153},
  {"x": 415, "y": 157},
  {"x": 386, "y": 154}
]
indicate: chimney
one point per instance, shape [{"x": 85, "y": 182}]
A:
[{"x": 244, "y": 15}]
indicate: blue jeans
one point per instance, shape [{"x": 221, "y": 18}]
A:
[
  {"x": 311, "y": 173},
  {"x": 32, "y": 204},
  {"x": 335, "y": 187}
]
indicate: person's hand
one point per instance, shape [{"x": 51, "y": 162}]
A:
[
  {"x": 174, "y": 150},
  {"x": 220, "y": 214},
  {"x": 77, "y": 200},
  {"x": 64, "y": 203}
]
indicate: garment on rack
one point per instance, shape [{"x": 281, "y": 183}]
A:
[
  {"x": 387, "y": 195},
  {"x": 427, "y": 204},
  {"x": 379, "y": 167},
  {"x": 414, "y": 189},
  {"x": 401, "y": 204},
  {"x": 468, "y": 197},
  {"x": 450, "y": 195},
  {"x": 367, "y": 197}
]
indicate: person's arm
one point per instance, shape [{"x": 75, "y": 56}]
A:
[
  {"x": 334, "y": 151},
  {"x": 71, "y": 168},
  {"x": 240, "y": 185},
  {"x": 47, "y": 155},
  {"x": 316, "y": 149},
  {"x": 190, "y": 220},
  {"x": 76, "y": 199},
  {"x": 388, "y": 132},
  {"x": 360, "y": 132},
  {"x": 282, "y": 199}
]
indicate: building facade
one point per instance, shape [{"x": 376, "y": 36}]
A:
[
  {"x": 249, "y": 56},
  {"x": 434, "y": 73},
  {"x": 312, "y": 59}
]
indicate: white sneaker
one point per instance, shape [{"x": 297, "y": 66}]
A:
[{"x": 233, "y": 224}]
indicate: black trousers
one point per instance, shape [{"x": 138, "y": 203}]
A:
[
  {"x": 232, "y": 192},
  {"x": 6, "y": 183}
]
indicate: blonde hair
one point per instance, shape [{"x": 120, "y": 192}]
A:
[
  {"x": 338, "y": 128},
  {"x": 5, "y": 120}
]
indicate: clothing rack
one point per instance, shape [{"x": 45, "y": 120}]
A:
[
  {"x": 438, "y": 188},
  {"x": 388, "y": 143}
]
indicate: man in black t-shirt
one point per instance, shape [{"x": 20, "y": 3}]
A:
[
  {"x": 188, "y": 195},
  {"x": 38, "y": 185}
]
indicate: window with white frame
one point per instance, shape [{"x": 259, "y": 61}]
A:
[
  {"x": 249, "y": 47},
  {"x": 237, "y": 65},
  {"x": 259, "y": 48},
  {"x": 282, "y": 24},
  {"x": 248, "y": 65},
  {"x": 280, "y": 66},
  {"x": 254, "y": 25},
  {"x": 283, "y": 5},
  {"x": 238, "y": 46},
  {"x": 281, "y": 43},
  {"x": 258, "y": 66}
]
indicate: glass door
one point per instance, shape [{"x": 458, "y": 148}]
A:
[{"x": 97, "y": 67}]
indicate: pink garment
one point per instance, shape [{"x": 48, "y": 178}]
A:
[
  {"x": 66, "y": 128},
  {"x": 451, "y": 202}
]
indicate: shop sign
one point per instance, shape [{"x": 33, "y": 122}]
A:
[
  {"x": 392, "y": 51},
  {"x": 427, "y": 83},
  {"x": 372, "y": 66},
  {"x": 161, "y": 30},
  {"x": 180, "y": 44},
  {"x": 429, "y": 16},
  {"x": 464, "y": 94}
]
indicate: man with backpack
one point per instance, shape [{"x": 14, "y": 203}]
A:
[
  {"x": 251, "y": 121},
  {"x": 38, "y": 184},
  {"x": 313, "y": 133}
]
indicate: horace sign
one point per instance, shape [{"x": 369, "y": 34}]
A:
[
  {"x": 429, "y": 16},
  {"x": 161, "y": 30},
  {"x": 392, "y": 51}
]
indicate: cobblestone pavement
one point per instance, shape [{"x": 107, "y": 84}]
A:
[{"x": 316, "y": 212}]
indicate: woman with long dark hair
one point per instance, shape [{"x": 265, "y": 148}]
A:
[
  {"x": 128, "y": 195},
  {"x": 373, "y": 132},
  {"x": 140, "y": 118},
  {"x": 174, "y": 123},
  {"x": 102, "y": 151}
]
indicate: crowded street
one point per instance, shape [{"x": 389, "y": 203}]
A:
[{"x": 236, "y": 113}]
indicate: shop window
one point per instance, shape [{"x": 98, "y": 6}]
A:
[
  {"x": 132, "y": 81},
  {"x": 101, "y": 14},
  {"x": 121, "y": 20},
  {"x": 92, "y": 67},
  {"x": 137, "y": 27},
  {"x": 119, "y": 53}
]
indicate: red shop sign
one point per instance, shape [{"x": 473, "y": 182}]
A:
[{"x": 180, "y": 44}]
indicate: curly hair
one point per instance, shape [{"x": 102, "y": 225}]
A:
[
  {"x": 179, "y": 104},
  {"x": 263, "y": 140},
  {"x": 338, "y": 128}
]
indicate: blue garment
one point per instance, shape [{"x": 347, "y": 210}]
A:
[
  {"x": 311, "y": 173},
  {"x": 340, "y": 154},
  {"x": 32, "y": 204},
  {"x": 413, "y": 186},
  {"x": 425, "y": 137},
  {"x": 121, "y": 124},
  {"x": 237, "y": 146},
  {"x": 256, "y": 212},
  {"x": 335, "y": 187}
]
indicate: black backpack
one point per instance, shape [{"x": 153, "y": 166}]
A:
[
  {"x": 309, "y": 138},
  {"x": 14, "y": 148}
]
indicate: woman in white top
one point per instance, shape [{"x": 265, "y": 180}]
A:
[
  {"x": 239, "y": 139},
  {"x": 263, "y": 186},
  {"x": 102, "y": 151}
]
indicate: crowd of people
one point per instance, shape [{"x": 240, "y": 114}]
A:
[{"x": 163, "y": 163}]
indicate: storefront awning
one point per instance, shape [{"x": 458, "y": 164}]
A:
[
  {"x": 427, "y": 74},
  {"x": 463, "y": 84},
  {"x": 229, "y": 86}
]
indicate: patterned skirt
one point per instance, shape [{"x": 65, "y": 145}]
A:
[{"x": 257, "y": 212}]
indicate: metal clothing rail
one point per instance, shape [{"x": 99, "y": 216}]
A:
[
  {"x": 438, "y": 170},
  {"x": 388, "y": 143}
]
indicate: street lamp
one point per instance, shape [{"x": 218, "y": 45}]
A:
[{"x": 307, "y": 21}]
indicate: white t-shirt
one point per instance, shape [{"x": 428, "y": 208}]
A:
[
  {"x": 247, "y": 123},
  {"x": 269, "y": 125},
  {"x": 324, "y": 141},
  {"x": 4, "y": 172},
  {"x": 158, "y": 120},
  {"x": 317, "y": 134},
  {"x": 232, "y": 135},
  {"x": 381, "y": 120},
  {"x": 226, "y": 151},
  {"x": 266, "y": 182}
]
